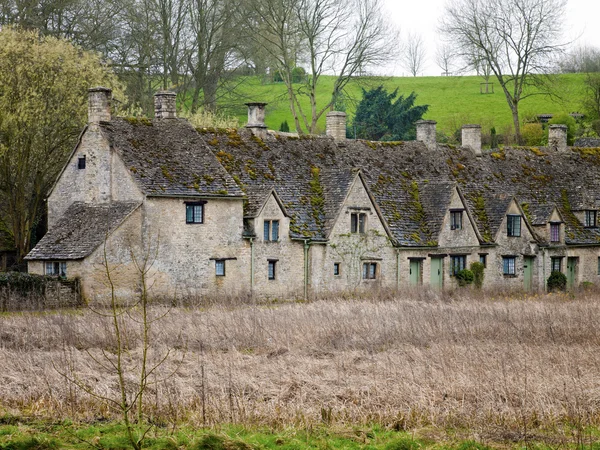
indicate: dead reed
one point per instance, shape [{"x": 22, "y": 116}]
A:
[{"x": 423, "y": 359}]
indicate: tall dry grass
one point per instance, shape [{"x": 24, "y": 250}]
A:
[{"x": 426, "y": 359}]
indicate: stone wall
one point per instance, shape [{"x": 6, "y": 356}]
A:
[{"x": 55, "y": 293}]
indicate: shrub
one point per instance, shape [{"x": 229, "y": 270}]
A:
[
  {"x": 284, "y": 127},
  {"x": 532, "y": 134},
  {"x": 464, "y": 277},
  {"x": 493, "y": 138},
  {"x": 557, "y": 281},
  {"x": 478, "y": 273}
]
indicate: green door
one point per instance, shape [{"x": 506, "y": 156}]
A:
[
  {"x": 571, "y": 272},
  {"x": 436, "y": 273},
  {"x": 415, "y": 272},
  {"x": 528, "y": 272}
]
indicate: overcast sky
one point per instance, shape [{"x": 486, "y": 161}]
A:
[{"x": 583, "y": 19}]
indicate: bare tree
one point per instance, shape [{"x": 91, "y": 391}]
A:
[
  {"x": 413, "y": 57},
  {"x": 517, "y": 38},
  {"x": 445, "y": 59},
  {"x": 340, "y": 37}
]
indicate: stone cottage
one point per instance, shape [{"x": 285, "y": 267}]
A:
[{"x": 228, "y": 212}]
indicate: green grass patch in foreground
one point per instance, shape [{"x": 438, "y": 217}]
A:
[{"x": 41, "y": 435}]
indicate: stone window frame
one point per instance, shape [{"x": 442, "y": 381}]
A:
[
  {"x": 457, "y": 263},
  {"x": 509, "y": 266},
  {"x": 220, "y": 269},
  {"x": 590, "y": 218},
  {"x": 556, "y": 264},
  {"x": 55, "y": 269},
  {"x": 272, "y": 269},
  {"x": 271, "y": 230},
  {"x": 456, "y": 219},
  {"x": 512, "y": 229},
  {"x": 554, "y": 232},
  {"x": 358, "y": 222},
  {"x": 81, "y": 162},
  {"x": 483, "y": 259},
  {"x": 191, "y": 219},
  {"x": 370, "y": 270},
  {"x": 337, "y": 269}
]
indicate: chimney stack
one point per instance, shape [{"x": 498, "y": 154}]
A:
[
  {"x": 426, "y": 132},
  {"x": 557, "y": 137},
  {"x": 471, "y": 138},
  {"x": 165, "y": 105},
  {"x": 256, "y": 119},
  {"x": 336, "y": 125},
  {"x": 99, "y": 104}
]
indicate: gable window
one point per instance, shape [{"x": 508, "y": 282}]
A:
[
  {"x": 456, "y": 220},
  {"x": 513, "y": 225},
  {"x": 336, "y": 268},
  {"x": 81, "y": 162},
  {"x": 56, "y": 268},
  {"x": 555, "y": 232},
  {"x": 457, "y": 263},
  {"x": 271, "y": 269},
  {"x": 271, "y": 230},
  {"x": 590, "y": 218},
  {"x": 220, "y": 267},
  {"x": 556, "y": 264},
  {"x": 194, "y": 212},
  {"x": 508, "y": 265},
  {"x": 369, "y": 271},
  {"x": 358, "y": 222}
]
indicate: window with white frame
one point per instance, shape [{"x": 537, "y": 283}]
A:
[
  {"x": 509, "y": 265},
  {"x": 56, "y": 268},
  {"x": 271, "y": 230},
  {"x": 513, "y": 225}
]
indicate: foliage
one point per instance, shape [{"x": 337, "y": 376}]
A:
[
  {"x": 43, "y": 100},
  {"x": 493, "y": 138},
  {"x": 284, "y": 127},
  {"x": 204, "y": 118},
  {"x": 591, "y": 100},
  {"x": 23, "y": 283},
  {"x": 478, "y": 270},
  {"x": 378, "y": 118},
  {"x": 557, "y": 281},
  {"x": 532, "y": 134},
  {"x": 565, "y": 119},
  {"x": 465, "y": 277}
]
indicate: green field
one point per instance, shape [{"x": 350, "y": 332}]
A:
[{"x": 453, "y": 101}]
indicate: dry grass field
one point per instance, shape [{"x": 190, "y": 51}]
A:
[{"x": 494, "y": 366}]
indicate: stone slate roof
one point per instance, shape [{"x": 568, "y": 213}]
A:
[
  {"x": 81, "y": 230},
  {"x": 167, "y": 157},
  {"x": 410, "y": 183}
]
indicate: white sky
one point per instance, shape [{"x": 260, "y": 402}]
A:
[{"x": 582, "y": 20}]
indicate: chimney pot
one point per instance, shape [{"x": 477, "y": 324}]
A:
[
  {"x": 256, "y": 119},
  {"x": 336, "y": 125},
  {"x": 426, "y": 132},
  {"x": 99, "y": 104},
  {"x": 557, "y": 137},
  {"x": 471, "y": 138},
  {"x": 165, "y": 105}
]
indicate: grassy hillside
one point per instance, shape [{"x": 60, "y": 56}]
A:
[{"x": 453, "y": 101}]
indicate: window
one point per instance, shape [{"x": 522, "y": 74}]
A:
[
  {"x": 590, "y": 218},
  {"x": 336, "y": 268},
  {"x": 556, "y": 265},
  {"x": 369, "y": 271},
  {"x": 508, "y": 264},
  {"x": 456, "y": 220},
  {"x": 194, "y": 212},
  {"x": 457, "y": 263},
  {"x": 272, "y": 264},
  {"x": 358, "y": 222},
  {"x": 56, "y": 268},
  {"x": 220, "y": 267},
  {"x": 513, "y": 225},
  {"x": 483, "y": 260},
  {"x": 271, "y": 230},
  {"x": 81, "y": 162},
  {"x": 555, "y": 232}
]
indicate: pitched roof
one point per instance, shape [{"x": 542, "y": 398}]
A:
[
  {"x": 81, "y": 230},
  {"x": 167, "y": 157}
]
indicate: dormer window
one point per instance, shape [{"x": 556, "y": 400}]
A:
[
  {"x": 358, "y": 222},
  {"x": 271, "y": 230},
  {"x": 456, "y": 219},
  {"x": 81, "y": 162},
  {"x": 513, "y": 225},
  {"x": 554, "y": 232},
  {"x": 590, "y": 218}
]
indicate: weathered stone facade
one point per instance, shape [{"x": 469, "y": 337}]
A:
[{"x": 246, "y": 212}]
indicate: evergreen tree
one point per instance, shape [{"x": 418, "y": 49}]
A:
[{"x": 381, "y": 118}]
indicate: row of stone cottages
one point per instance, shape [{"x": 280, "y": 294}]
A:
[{"x": 226, "y": 212}]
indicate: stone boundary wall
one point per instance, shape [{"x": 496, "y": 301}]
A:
[{"x": 40, "y": 294}]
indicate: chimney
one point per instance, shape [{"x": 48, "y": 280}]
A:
[
  {"x": 336, "y": 125},
  {"x": 471, "y": 138},
  {"x": 99, "y": 104},
  {"x": 256, "y": 119},
  {"x": 557, "y": 137},
  {"x": 165, "y": 105},
  {"x": 426, "y": 132}
]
